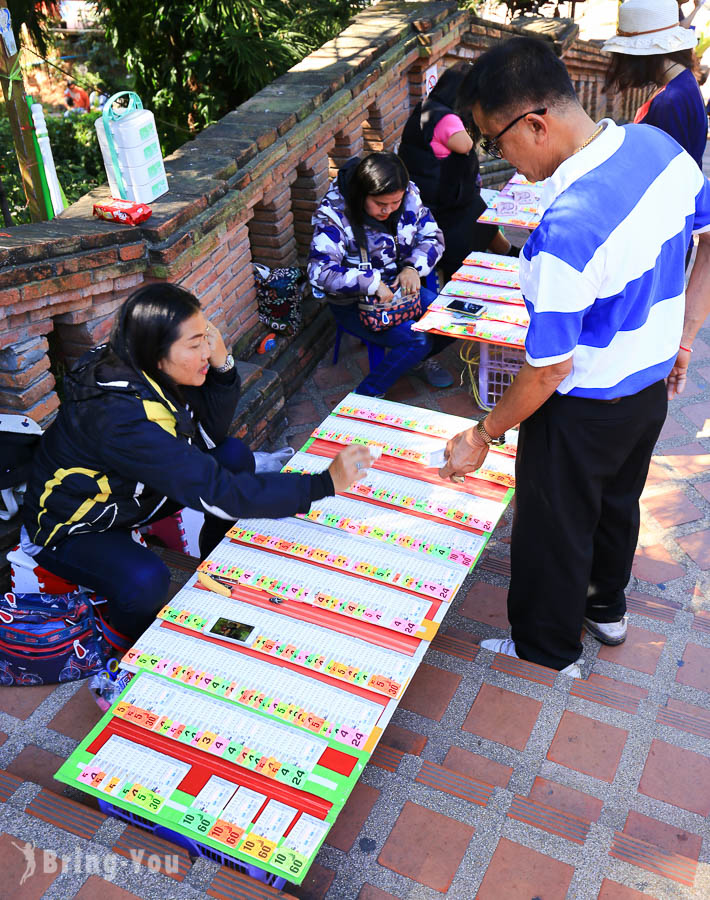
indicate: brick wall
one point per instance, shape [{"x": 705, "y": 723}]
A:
[{"x": 243, "y": 191}]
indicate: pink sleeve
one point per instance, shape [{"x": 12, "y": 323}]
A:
[{"x": 445, "y": 128}]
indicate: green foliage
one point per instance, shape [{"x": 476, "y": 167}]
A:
[
  {"x": 76, "y": 156},
  {"x": 195, "y": 60},
  {"x": 35, "y": 18}
]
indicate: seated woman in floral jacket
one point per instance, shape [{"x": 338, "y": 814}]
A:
[{"x": 373, "y": 204}]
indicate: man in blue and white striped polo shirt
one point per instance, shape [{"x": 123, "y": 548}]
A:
[{"x": 603, "y": 280}]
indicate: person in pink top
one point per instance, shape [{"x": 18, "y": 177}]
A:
[{"x": 438, "y": 151}]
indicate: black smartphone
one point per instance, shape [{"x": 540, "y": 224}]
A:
[{"x": 466, "y": 306}]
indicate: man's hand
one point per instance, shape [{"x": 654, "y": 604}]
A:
[
  {"x": 464, "y": 453},
  {"x": 218, "y": 350},
  {"x": 409, "y": 280},
  {"x": 678, "y": 374}
]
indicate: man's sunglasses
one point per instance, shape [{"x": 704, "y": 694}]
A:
[{"x": 490, "y": 145}]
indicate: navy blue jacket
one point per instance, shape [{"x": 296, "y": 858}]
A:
[{"x": 120, "y": 446}]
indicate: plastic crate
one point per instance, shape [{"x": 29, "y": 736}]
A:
[
  {"x": 195, "y": 848},
  {"x": 497, "y": 368}
]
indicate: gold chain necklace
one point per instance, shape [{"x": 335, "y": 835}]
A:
[{"x": 590, "y": 138}]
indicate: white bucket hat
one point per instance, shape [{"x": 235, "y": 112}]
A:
[{"x": 648, "y": 27}]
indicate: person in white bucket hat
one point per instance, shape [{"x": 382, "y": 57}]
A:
[{"x": 651, "y": 49}]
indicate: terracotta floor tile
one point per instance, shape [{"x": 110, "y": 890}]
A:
[
  {"x": 37, "y": 765},
  {"x": 699, "y": 414},
  {"x": 23, "y": 701},
  {"x": 406, "y": 390},
  {"x": 458, "y": 404},
  {"x": 588, "y": 746},
  {"x": 694, "y": 669},
  {"x": 525, "y": 873},
  {"x": 672, "y": 429},
  {"x": 655, "y": 565},
  {"x": 677, "y": 776},
  {"x": 13, "y": 865},
  {"x": 426, "y": 846},
  {"x": 697, "y": 546},
  {"x": 566, "y": 799},
  {"x": 473, "y": 765},
  {"x": 688, "y": 709},
  {"x": 672, "y": 508},
  {"x": 369, "y": 892},
  {"x": 662, "y": 835},
  {"x": 315, "y": 885},
  {"x": 430, "y": 691},
  {"x": 302, "y": 413},
  {"x": 95, "y": 887},
  {"x": 691, "y": 459},
  {"x": 328, "y": 376},
  {"x": 659, "y": 472},
  {"x": 704, "y": 488},
  {"x": 640, "y": 651},
  {"x": 3, "y": 738},
  {"x": 403, "y": 739},
  {"x": 352, "y": 817},
  {"x": 612, "y": 890},
  {"x": 78, "y": 715},
  {"x": 486, "y": 603},
  {"x": 502, "y": 716}
]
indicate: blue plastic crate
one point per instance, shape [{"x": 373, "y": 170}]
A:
[{"x": 195, "y": 848}]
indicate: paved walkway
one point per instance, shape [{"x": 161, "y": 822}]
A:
[{"x": 496, "y": 779}]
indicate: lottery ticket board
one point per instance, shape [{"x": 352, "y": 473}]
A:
[{"x": 263, "y": 686}]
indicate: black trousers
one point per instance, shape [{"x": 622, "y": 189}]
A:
[{"x": 580, "y": 470}]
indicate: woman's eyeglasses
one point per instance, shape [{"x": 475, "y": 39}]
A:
[{"x": 490, "y": 145}]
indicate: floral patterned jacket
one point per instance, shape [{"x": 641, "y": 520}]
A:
[{"x": 334, "y": 263}]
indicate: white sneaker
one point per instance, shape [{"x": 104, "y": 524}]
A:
[
  {"x": 611, "y": 633},
  {"x": 506, "y": 646}
]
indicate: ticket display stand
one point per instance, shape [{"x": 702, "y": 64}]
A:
[{"x": 263, "y": 687}]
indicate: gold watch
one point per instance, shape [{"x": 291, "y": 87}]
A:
[{"x": 489, "y": 439}]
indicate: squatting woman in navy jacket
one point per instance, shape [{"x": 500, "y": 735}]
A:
[{"x": 142, "y": 432}]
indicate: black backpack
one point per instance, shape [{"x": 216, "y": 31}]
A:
[{"x": 19, "y": 437}]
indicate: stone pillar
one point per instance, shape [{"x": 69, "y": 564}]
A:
[{"x": 311, "y": 183}]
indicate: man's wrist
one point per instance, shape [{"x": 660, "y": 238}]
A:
[{"x": 488, "y": 438}]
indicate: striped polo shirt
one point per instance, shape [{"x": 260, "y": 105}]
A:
[{"x": 603, "y": 274}]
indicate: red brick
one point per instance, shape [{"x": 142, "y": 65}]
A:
[
  {"x": 474, "y": 765},
  {"x": 566, "y": 799},
  {"x": 678, "y": 777},
  {"x": 694, "y": 668},
  {"x": 611, "y": 890},
  {"x": 426, "y": 846},
  {"x": 640, "y": 651},
  {"x": 369, "y": 892},
  {"x": 692, "y": 459},
  {"x": 78, "y": 715},
  {"x": 352, "y": 817},
  {"x": 502, "y": 716},
  {"x": 14, "y": 868},
  {"x": 95, "y": 887},
  {"x": 36, "y": 765},
  {"x": 316, "y": 883},
  {"x": 672, "y": 508},
  {"x": 486, "y": 603},
  {"x": 655, "y": 565},
  {"x": 697, "y": 546},
  {"x": 132, "y": 251},
  {"x": 588, "y": 746},
  {"x": 430, "y": 691},
  {"x": 55, "y": 285},
  {"x": 525, "y": 873},
  {"x": 403, "y": 739},
  {"x": 660, "y": 834},
  {"x": 21, "y": 702}
]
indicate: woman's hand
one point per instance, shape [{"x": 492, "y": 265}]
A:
[
  {"x": 350, "y": 465},
  {"x": 218, "y": 351},
  {"x": 409, "y": 280},
  {"x": 384, "y": 293}
]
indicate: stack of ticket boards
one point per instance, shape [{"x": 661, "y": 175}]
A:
[{"x": 263, "y": 687}]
